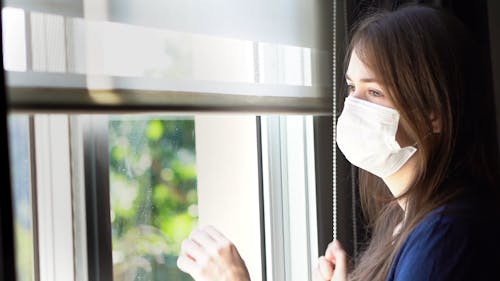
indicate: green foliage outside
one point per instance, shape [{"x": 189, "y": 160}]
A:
[
  {"x": 153, "y": 195},
  {"x": 24, "y": 251}
]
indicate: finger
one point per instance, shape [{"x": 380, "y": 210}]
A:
[
  {"x": 317, "y": 275},
  {"x": 205, "y": 241},
  {"x": 187, "y": 265},
  {"x": 339, "y": 251},
  {"x": 193, "y": 249},
  {"x": 216, "y": 235},
  {"x": 340, "y": 272},
  {"x": 329, "y": 252},
  {"x": 335, "y": 251},
  {"x": 325, "y": 268}
]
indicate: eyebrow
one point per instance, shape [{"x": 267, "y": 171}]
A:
[{"x": 366, "y": 80}]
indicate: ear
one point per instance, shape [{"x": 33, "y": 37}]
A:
[{"x": 436, "y": 123}]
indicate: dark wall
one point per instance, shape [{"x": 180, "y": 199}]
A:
[{"x": 494, "y": 21}]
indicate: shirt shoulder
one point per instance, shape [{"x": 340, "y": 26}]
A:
[{"x": 454, "y": 242}]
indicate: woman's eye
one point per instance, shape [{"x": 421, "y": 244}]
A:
[
  {"x": 375, "y": 94},
  {"x": 350, "y": 89}
]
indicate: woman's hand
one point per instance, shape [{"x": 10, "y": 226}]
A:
[
  {"x": 333, "y": 265},
  {"x": 207, "y": 255}
]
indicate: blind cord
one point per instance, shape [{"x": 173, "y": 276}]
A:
[{"x": 334, "y": 126}]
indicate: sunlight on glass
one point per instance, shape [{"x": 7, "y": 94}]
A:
[{"x": 153, "y": 195}]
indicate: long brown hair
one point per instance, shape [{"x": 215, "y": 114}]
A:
[{"x": 430, "y": 68}]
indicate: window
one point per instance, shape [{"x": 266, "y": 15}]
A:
[
  {"x": 146, "y": 120},
  {"x": 211, "y": 161}
]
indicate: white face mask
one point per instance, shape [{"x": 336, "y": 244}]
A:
[{"x": 366, "y": 134}]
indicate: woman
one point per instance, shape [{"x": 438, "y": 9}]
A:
[{"x": 416, "y": 122}]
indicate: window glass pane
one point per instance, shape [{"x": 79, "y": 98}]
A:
[
  {"x": 153, "y": 194},
  {"x": 20, "y": 164}
]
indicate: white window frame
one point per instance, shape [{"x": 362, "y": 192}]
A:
[
  {"x": 54, "y": 198},
  {"x": 289, "y": 189}
]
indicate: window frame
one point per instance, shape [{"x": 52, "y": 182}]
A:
[
  {"x": 52, "y": 181},
  {"x": 93, "y": 131},
  {"x": 289, "y": 164},
  {"x": 97, "y": 256}
]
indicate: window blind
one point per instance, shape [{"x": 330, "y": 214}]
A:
[{"x": 185, "y": 55}]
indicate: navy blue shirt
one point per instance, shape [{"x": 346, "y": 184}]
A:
[{"x": 459, "y": 241}]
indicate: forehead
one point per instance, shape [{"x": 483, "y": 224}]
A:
[{"x": 357, "y": 69}]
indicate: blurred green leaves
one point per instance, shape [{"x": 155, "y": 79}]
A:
[
  {"x": 153, "y": 194},
  {"x": 155, "y": 130}
]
